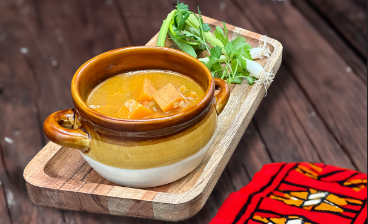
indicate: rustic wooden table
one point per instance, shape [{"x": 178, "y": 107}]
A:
[{"x": 315, "y": 111}]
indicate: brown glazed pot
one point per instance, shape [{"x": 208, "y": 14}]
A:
[{"x": 139, "y": 153}]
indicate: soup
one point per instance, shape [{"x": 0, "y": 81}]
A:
[{"x": 145, "y": 95}]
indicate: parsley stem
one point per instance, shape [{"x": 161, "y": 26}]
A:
[
  {"x": 236, "y": 69},
  {"x": 171, "y": 27},
  {"x": 190, "y": 43},
  {"x": 164, "y": 29},
  {"x": 183, "y": 46}
]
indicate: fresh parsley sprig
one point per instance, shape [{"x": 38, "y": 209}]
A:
[
  {"x": 231, "y": 66},
  {"x": 226, "y": 59},
  {"x": 189, "y": 28}
]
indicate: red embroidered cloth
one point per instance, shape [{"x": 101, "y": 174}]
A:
[{"x": 298, "y": 193}]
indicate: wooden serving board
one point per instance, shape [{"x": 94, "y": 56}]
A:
[{"x": 58, "y": 177}]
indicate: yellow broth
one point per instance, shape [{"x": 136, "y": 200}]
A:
[{"x": 116, "y": 94}]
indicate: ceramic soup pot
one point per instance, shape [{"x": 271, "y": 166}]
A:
[{"x": 139, "y": 153}]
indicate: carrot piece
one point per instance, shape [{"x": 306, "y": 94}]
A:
[
  {"x": 167, "y": 96},
  {"x": 145, "y": 91},
  {"x": 145, "y": 103},
  {"x": 137, "y": 110}
]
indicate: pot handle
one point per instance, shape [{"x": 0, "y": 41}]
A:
[
  {"x": 223, "y": 96},
  {"x": 58, "y": 127}
]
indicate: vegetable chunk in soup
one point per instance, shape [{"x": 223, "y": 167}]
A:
[{"x": 145, "y": 95}]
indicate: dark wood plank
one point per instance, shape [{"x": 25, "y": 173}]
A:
[
  {"x": 220, "y": 10},
  {"x": 355, "y": 62},
  {"x": 339, "y": 97},
  {"x": 4, "y": 210},
  {"x": 327, "y": 147},
  {"x": 251, "y": 155},
  {"x": 19, "y": 115},
  {"x": 144, "y": 18},
  {"x": 281, "y": 130},
  {"x": 4, "y": 214},
  {"x": 68, "y": 34},
  {"x": 34, "y": 83},
  {"x": 349, "y": 18}
]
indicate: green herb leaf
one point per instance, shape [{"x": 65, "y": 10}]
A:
[
  {"x": 236, "y": 80},
  {"x": 218, "y": 69},
  {"x": 182, "y": 6},
  {"x": 245, "y": 52},
  {"x": 206, "y": 27},
  {"x": 229, "y": 48},
  {"x": 183, "y": 46},
  {"x": 180, "y": 20},
  {"x": 177, "y": 32},
  {"x": 189, "y": 34},
  {"x": 242, "y": 61},
  {"x": 238, "y": 43},
  {"x": 247, "y": 46},
  {"x": 236, "y": 66},
  {"x": 225, "y": 28},
  {"x": 219, "y": 30},
  {"x": 251, "y": 80},
  {"x": 219, "y": 33},
  {"x": 216, "y": 52},
  {"x": 212, "y": 61}
]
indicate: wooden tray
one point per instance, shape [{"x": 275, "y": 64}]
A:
[{"x": 58, "y": 177}]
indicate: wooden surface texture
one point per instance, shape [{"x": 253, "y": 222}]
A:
[
  {"x": 315, "y": 111},
  {"x": 60, "y": 178}
]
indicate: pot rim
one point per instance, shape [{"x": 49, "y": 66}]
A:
[{"x": 106, "y": 122}]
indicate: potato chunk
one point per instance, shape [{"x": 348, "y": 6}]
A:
[
  {"x": 133, "y": 110},
  {"x": 167, "y": 96},
  {"x": 145, "y": 91},
  {"x": 123, "y": 113}
]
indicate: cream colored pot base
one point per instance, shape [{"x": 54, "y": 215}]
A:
[{"x": 149, "y": 177}]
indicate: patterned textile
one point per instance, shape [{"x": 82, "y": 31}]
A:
[{"x": 298, "y": 193}]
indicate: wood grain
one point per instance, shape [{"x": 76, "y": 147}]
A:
[
  {"x": 321, "y": 74},
  {"x": 4, "y": 211},
  {"x": 326, "y": 146},
  {"x": 335, "y": 40},
  {"x": 143, "y": 18},
  {"x": 56, "y": 176},
  {"x": 19, "y": 114},
  {"x": 349, "y": 18},
  {"x": 70, "y": 48}
]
